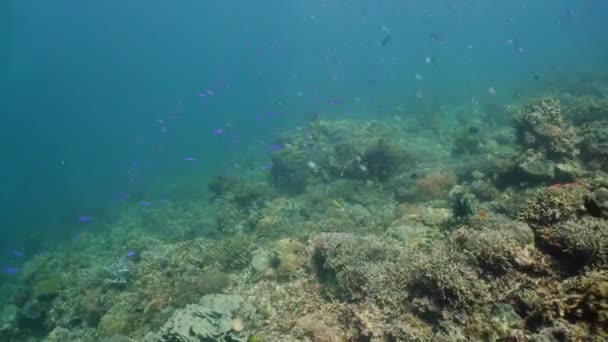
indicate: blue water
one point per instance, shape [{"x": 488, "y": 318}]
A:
[{"x": 103, "y": 98}]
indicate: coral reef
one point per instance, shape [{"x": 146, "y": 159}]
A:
[
  {"x": 471, "y": 228},
  {"x": 541, "y": 124}
]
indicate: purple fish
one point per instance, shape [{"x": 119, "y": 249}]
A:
[
  {"x": 10, "y": 270},
  {"x": 131, "y": 254},
  {"x": 276, "y": 148},
  {"x": 190, "y": 159},
  {"x": 218, "y": 131},
  {"x": 145, "y": 203},
  {"x": 85, "y": 219},
  {"x": 163, "y": 201}
]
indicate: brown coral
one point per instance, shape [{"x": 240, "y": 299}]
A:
[{"x": 435, "y": 184}]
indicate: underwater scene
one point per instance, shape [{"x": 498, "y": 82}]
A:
[{"x": 287, "y": 170}]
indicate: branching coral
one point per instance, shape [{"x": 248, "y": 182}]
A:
[
  {"x": 586, "y": 240},
  {"x": 541, "y": 124},
  {"x": 446, "y": 275},
  {"x": 549, "y": 205}
]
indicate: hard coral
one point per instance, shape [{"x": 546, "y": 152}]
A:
[
  {"x": 549, "y": 205},
  {"x": 291, "y": 256},
  {"x": 587, "y": 300},
  {"x": 446, "y": 275},
  {"x": 383, "y": 158},
  {"x": 234, "y": 252},
  {"x": 345, "y": 263},
  {"x": 585, "y": 240},
  {"x": 435, "y": 184},
  {"x": 496, "y": 251},
  {"x": 541, "y": 124}
]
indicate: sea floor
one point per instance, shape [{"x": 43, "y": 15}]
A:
[{"x": 421, "y": 228}]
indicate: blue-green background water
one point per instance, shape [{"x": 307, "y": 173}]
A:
[{"x": 84, "y": 83}]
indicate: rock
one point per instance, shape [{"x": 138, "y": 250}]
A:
[
  {"x": 537, "y": 168},
  {"x": 596, "y": 203},
  {"x": 60, "y": 334},
  {"x": 117, "y": 338},
  {"x": 568, "y": 172},
  {"x": 237, "y": 325},
  {"x": 210, "y": 320},
  {"x": 505, "y": 320},
  {"x": 261, "y": 262},
  {"x": 8, "y": 317},
  {"x": 48, "y": 288},
  {"x": 407, "y": 232},
  {"x": 521, "y": 232}
]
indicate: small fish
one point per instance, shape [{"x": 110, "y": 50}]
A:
[
  {"x": 491, "y": 90},
  {"x": 276, "y": 148},
  {"x": 85, "y": 219},
  {"x": 386, "y": 40},
  {"x": 418, "y": 77},
  {"x": 437, "y": 37},
  {"x": 10, "y": 270},
  {"x": 18, "y": 254},
  {"x": 218, "y": 131},
  {"x": 337, "y": 204},
  {"x": 192, "y": 159},
  {"x": 145, "y": 203}
]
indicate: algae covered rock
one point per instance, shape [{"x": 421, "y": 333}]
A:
[
  {"x": 48, "y": 288},
  {"x": 596, "y": 203},
  {"x": 383, "y": 158},
  {"x": 8, "y": 318},
  {"x": 213, "y": 319}
]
